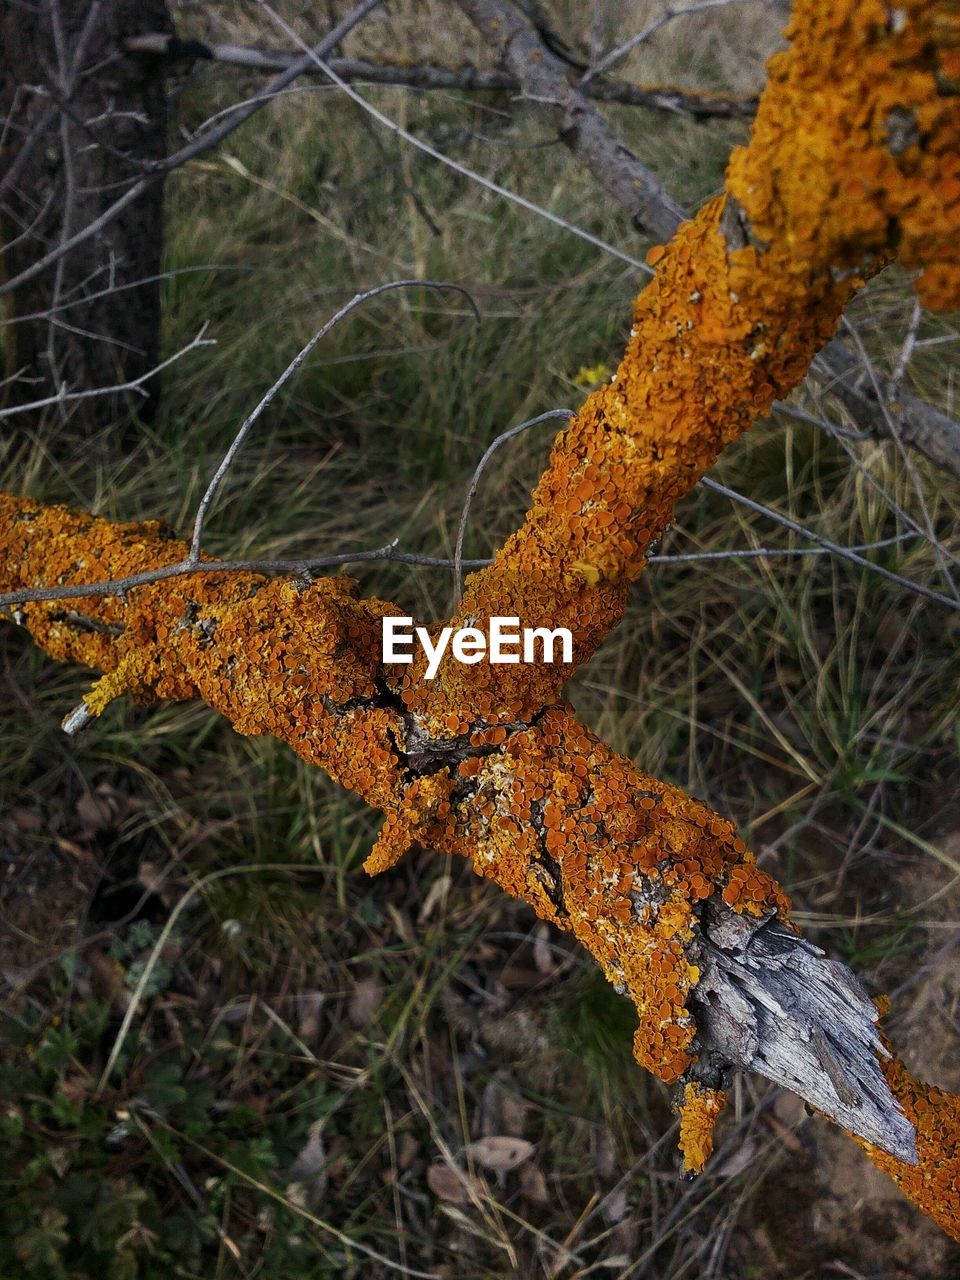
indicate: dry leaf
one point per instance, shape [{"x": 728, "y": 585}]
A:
[
  {"x": 500, "y": 1154},
  {"x": 309, "y": 1170},
  {"x": 26, "y": 819},
  {"x": 450, "y": 1184},
  {"x": 517, "y": 978},
  {"x": 309, "y": 1005},
  {"x": 605, "y": 1153},
  {"x": 109, "y": 978},
  {"x": 438, "y": 892},
  {"x": 741, "y": 1159},
  {"x": 614, "y": 1206},
  {"x": 74, "y": 850},
  {"x": 514, "y": 1112},
  {"x": 401, "y": 922},
  {"x": 408, "y": 1148},
  {"x": 94, "y": 813},
  {"x": 312, "y": 1157}
]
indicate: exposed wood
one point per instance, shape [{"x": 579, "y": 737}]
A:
[{"x": 771, "y": 1002}]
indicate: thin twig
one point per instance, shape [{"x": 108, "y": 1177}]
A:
[
  {"x": 135, "y": 384},
  {"x": 433, "y": 77},
  {"x": 764, "y": 553},
  {"x": 906, "y": 351},
  {"x": 356, "y": 301},
  {"x": 203, "y": 142},
  {"x": 449, "y": 161},
  {"x": 29, "y": 316},
  {"x": 550, "y": 416},
  {"x": 307, "y": 568},
  {"x": 845, "y": 553},
  {"x": 620, "y": 52},
  {"x": 943, "y": 555}
]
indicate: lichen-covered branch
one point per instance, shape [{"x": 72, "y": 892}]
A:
[
  {"x": 654, "y": 884},
  {"x": 854, "y": 157},
  {"x": 487, "y": 762},
  {"x": 543, "y": 78}
]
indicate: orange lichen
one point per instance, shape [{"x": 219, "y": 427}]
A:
[
  {"x": 863, "y": 117},
  {"x": 299, "y": 661},
  {"x": 619, "y": 859},
  {"x": 853, "y": 158},
  {"x": 933, "y": 1183},
  {"x": 544, "y": 809},
  {"x": 699, "y": 1111},
  {"x": 743, "y": 297}
]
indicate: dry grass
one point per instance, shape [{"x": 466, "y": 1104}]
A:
[{"x": 373, "y": 1030}]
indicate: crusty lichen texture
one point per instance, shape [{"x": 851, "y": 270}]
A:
[
  {"x": 699, "y": 1110},
  {"x": 545, "y": 809},
  {"x": 833, "y": 184},
  {"x": 853, "y": 160},
  {"x": 933, "y": 1183},
  {"x": 863, "y": 116}
]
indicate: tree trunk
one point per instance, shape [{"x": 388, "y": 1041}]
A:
[{"x": 81, "y": 120}]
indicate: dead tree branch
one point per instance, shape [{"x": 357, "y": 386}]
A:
[
  {"x": 486, "y": 761},
  {"x": 205, "y": 141},
  {"x": 431, "y": 77}
]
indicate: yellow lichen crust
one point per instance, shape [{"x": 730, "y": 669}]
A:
[
  {"x": 713, "y": 344},
  {"x": 854, "y": 158},
  {"x": 550, "y": 813},
  {"x": 298, "y": 661},
  {"x": 863, "y": 117},
  {"x": 699, "y": 1111},
  {"x": 621, "y": 860},
  {"x": 933, "y": 1183}
]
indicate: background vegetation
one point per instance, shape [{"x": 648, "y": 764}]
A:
[{"x": 320, "y": 1055}]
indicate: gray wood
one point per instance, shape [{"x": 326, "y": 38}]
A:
[{"x": 770, "y": 1001}]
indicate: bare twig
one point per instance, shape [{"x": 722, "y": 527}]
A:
[
  {"x": 288, "y": 373},
  {"x": 431, "y": 77},
  {"x": 622, "y": 50},
  {"x": 845, "y": 553},
  {"x": 550, "y": 416},
  {"x": 304, "y": 568},
  {"x": 208, "y": 139},
  {"x": 915, "y": 421},
  {"x": 64, "y": 397},
  {"x": 943, "y": 555},
  {"x": 543, "y": 77},
  {"x": 68, "y": 304},
  {"x": 308, "y": 567},
  {"x": 450, "y": 162},
  {"x": 906, "y": 351}
]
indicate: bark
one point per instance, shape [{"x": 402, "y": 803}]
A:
[
  {"x": 581, "y": 128},
  {"x": 430, "y": 76},
  {"x": 82, "y": 122}
]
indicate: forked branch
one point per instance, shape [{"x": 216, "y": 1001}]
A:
[{"x": 486, "y": 761}]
